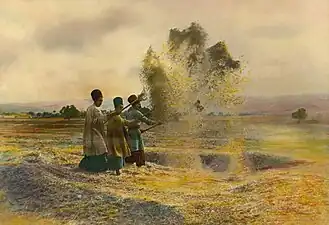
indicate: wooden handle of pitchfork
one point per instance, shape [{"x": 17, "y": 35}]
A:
[{"x": 151, "y": 127}]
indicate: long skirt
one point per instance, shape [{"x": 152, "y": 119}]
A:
[
  {"x": 115, "y": 162},
  {"x": 137, "y": 157},
  {"x": 136, "y": 142},
  {"x": 96, "y": 163}
]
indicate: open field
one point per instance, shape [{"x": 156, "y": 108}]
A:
[{"x": 250, "y": 170}]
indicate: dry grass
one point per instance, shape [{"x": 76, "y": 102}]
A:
[
  {"x": 9, "y": 218},
  {"x": 176, "y": 189}
]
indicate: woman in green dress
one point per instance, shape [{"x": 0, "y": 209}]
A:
[
  {"x": 117, "y": 138},
  {"x": 94, "y": 145}
]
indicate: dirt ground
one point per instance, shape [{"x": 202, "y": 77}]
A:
[{"x": 252, "y": 170}]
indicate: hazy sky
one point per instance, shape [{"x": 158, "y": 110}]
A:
[{"x": 62, "y": 49}]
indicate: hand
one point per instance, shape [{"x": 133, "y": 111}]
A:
[{"x": 141, "y": 97}]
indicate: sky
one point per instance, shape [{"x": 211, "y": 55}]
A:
[{"x": 54, "y": 50}]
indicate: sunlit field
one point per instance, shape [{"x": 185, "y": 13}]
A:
[{"x": 238, "y": 170}]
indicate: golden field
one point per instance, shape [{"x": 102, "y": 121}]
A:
[{"x": 236, "y": 170}]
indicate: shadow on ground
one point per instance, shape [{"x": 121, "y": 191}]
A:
[
  {"x": 261, "y": 161},
  {"x": 221, "y": 162}
]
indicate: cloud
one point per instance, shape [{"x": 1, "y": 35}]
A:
[
  {"x": 73, "y": 35},
  {"x": 84, "y": 81},
  {"x": 285, "y": 46},
  {"x": 10, "y": 50},
  {"x": 6, "y": 59},
  {"x": 274, "y": 32},
  {"x": 133, "y": 73}
]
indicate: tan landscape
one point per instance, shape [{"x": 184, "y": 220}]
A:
[
  {"x": 238, "y": 95},
  {"x": 238, "y": 170}
]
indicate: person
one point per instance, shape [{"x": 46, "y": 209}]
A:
[
  {"x": 198, "y": 106},
  {"x": 135, "y": 138},
  {"x": 94, "y": 145},
  {"x": 117, "y": 138}
]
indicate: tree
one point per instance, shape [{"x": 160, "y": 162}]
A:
[
  {"x": 214, "y": 61},
  {"x": 154, "y": 77},
  {"x": 300, "y": 115},
  {"x": 193, "y": 72},
  {"x": 55, "y": 114},
  {"x": 188, "y": 71},
  {"x": 69, "y": 111},
  {"x": 32, "y": 114},
  {"x": 193, "y": 40},
  {"x": 46, "y": 115}
]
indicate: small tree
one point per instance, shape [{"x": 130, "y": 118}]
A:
[
  {"x": 300, "y": 115},
  {"x": 69, "y": 111},
  {"x": 63, "y": 110},
  {"x": 32, "y": 114},
  {"x": 46, "y": 115}
]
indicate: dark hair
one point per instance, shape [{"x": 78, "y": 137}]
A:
[{"x": 96, "y": 94}]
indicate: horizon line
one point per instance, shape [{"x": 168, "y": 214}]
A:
[{"x": 85, "y": 99}]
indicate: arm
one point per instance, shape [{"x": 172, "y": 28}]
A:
[
  {"x": 87, "y": 142},
  {"x": 109, "y": 116},
  {"x": 130, "y": 123},
  {"x": 144, "y": 119}
]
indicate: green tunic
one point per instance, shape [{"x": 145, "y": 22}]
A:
[{"x": 136, "y": 141}]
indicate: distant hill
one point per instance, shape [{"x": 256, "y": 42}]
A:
[
  {"x": 18, "y": 108},
  {"x": 286, "y": 104},
  {"x": 48, "y": 106},
  {"x": 253, "y": 105}
]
